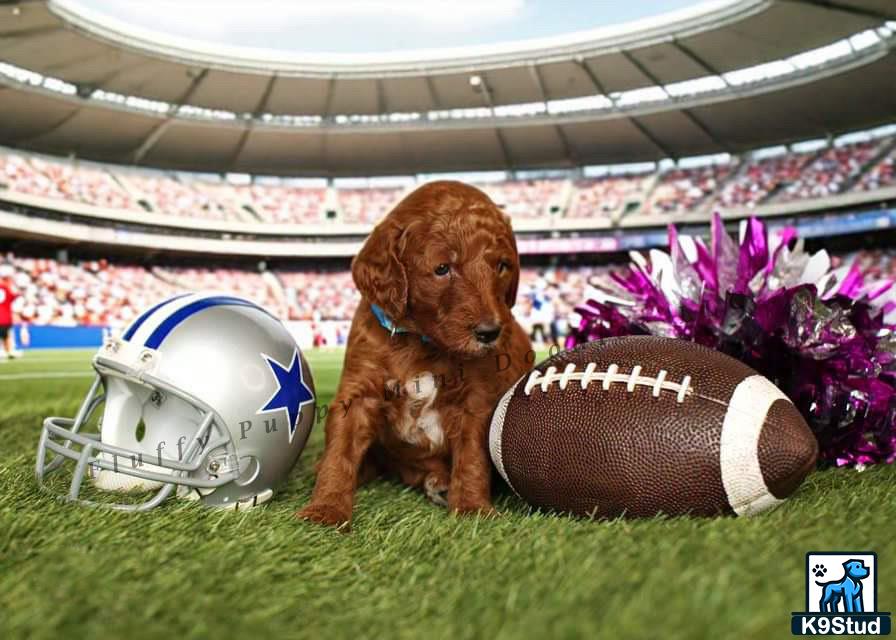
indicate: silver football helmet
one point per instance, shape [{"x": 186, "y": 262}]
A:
[{"x": 205, "y": 393}]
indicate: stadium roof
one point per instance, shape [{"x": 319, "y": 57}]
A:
[{"x": 720, "y": 77}]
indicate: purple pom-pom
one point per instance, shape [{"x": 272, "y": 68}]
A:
[{"x": 823, "y": 336}]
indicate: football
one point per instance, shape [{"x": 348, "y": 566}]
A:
[{"x": 642, "y": 425}]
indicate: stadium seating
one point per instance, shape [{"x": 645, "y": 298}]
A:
[
  {"x": 758, "y": 179},
  {"x": 240, "y": 282},
  {"x": 680, "y": 190},
  {"x": 366, "y": 205},
  {"x": 282, "y": 204},
  {"x": 882, "y": 174},
  {"x": 164, "y": 194},
  {"x": 64, "y": 180},
  {"x": 831, "y": 172},
  {"x": 525, "y": 198},
  {"x": 786, "y": 177},
  {"x": 320, "y": 295},
  {"x": 97, "y": 292},
  {"x": 92, "y": 293},
  {"x": 606, "y": 195}
]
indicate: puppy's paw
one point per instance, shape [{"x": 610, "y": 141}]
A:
[
  {"x": 436, "y": 489},
  {"x": 327, "y": 514}
]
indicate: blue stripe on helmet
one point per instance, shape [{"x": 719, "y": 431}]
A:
[
  {"x": 169, "y": 323},
  {"x": 139, "y": 321}
]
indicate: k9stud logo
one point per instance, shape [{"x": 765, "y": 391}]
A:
[{"x": 841, "y": 596}]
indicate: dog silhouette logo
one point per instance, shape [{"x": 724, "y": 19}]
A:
[
  {"x": 847, "y": 590},
  {"x": 841, "y": 596}
]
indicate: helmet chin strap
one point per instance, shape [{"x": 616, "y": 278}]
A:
[{"x": 389, "y": 325}]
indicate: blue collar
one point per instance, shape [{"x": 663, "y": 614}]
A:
[{"x": 387, "y": 323}]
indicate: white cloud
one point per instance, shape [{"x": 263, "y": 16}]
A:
[
  {"x": 223, "y": 18},
  {"x": 433, "y": 13}
]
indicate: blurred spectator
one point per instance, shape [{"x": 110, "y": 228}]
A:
[
  {"x": 88, "y": 293},
  {"x": 95, "y": 292},
  {"x": 830, "y": 172},
  {"x": 320, "y": 295},
  {"x": 524, "y": 198},
  {"x": 275, "y": 203},
  {"x": 680, "y": 190},
  {"x": 367, "y": 205},
  {"x": 786, "y": 177},
  {"x": 596, "y": 197},
  {"x": 7, "y": 298},
  {"x": 761, "y": 178},
  {"x": 240, "y": 282},
  {"x": 881, "y": 175},
  {"x": 64, "y": 180},
  {"x": 165, "y": 194}
]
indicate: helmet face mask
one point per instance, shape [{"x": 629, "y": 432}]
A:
[{"x": 205, "y": 411}]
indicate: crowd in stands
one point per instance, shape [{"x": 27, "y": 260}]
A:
[
  {"x": 762, "y": 177},
  {"x": 525, "y": 198},
  {"x": 367, "y": 205},
  {"x": 681, "y": 190},
  {"x": 740, "y": 182},
  {"x": 62, "y": 180},
  {"x": 606, "y": 195},
  {"x": 280, "y": 204},
  {"x": 97, "y": 292},
  {"x": 831, "y": 172},
  {"x": 92, "y": 292},
  {"x": 164, "y": 194},
  {"x": 319, "y": 295},
  {"x": 882, "y": 174},
  {"x": 239, "y": 282}
]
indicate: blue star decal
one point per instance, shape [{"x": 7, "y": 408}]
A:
[{"x": 292, "y": 392}]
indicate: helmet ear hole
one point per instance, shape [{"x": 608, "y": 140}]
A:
[{"x": 250, "y": 469}]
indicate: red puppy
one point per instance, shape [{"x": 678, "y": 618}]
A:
[{"x": 433, "y": 346}]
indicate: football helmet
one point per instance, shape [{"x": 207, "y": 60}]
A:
[{"x": 207, "y": 394}]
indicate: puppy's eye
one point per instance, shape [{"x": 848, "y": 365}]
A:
[
  {"x": 503, "y": 266},
  {"x": 442, "y": 270}
]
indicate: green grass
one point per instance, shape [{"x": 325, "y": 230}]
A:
[{"x": 407, "y": 570}]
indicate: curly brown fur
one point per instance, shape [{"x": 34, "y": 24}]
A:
[{"x": 419, "y": 410}]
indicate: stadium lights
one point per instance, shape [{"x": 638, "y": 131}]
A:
[
  {"x": 203, "y": 113},
  {"x": 35, "y": 79},
  {"x": 587, "y": 103},
  {"x": 777, "y": 69}
]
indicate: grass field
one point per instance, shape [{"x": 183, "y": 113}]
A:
[{"x": 408, "y": 570}]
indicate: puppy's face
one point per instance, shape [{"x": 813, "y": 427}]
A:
[{"x": 444, "y": 263}]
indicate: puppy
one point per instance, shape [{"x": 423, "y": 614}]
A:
[{"x": 432, "y": 347}]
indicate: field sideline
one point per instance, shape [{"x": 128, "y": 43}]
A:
[{"x": 408, "y": 570}]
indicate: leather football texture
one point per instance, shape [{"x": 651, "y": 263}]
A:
[{"x": 642, "y": 425}]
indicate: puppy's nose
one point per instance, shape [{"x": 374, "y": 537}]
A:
[{"x": 487, "y": 333}]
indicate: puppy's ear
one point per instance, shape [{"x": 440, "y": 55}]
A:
[{"x": 378, "y": 271}]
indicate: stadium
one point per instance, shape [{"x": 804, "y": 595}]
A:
[{"x": 137, "y": 165}]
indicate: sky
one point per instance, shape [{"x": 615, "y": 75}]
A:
[{"x": 374, "y": 26}]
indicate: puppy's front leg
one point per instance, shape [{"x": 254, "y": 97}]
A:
[
  {"x": 349, "y": 433},
  {"x": 470, "y": 489}
]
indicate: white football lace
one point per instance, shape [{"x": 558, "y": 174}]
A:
[{"x": 606, "y": 378}]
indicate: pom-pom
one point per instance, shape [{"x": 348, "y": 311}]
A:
[{"x": 825, "y": 336}]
